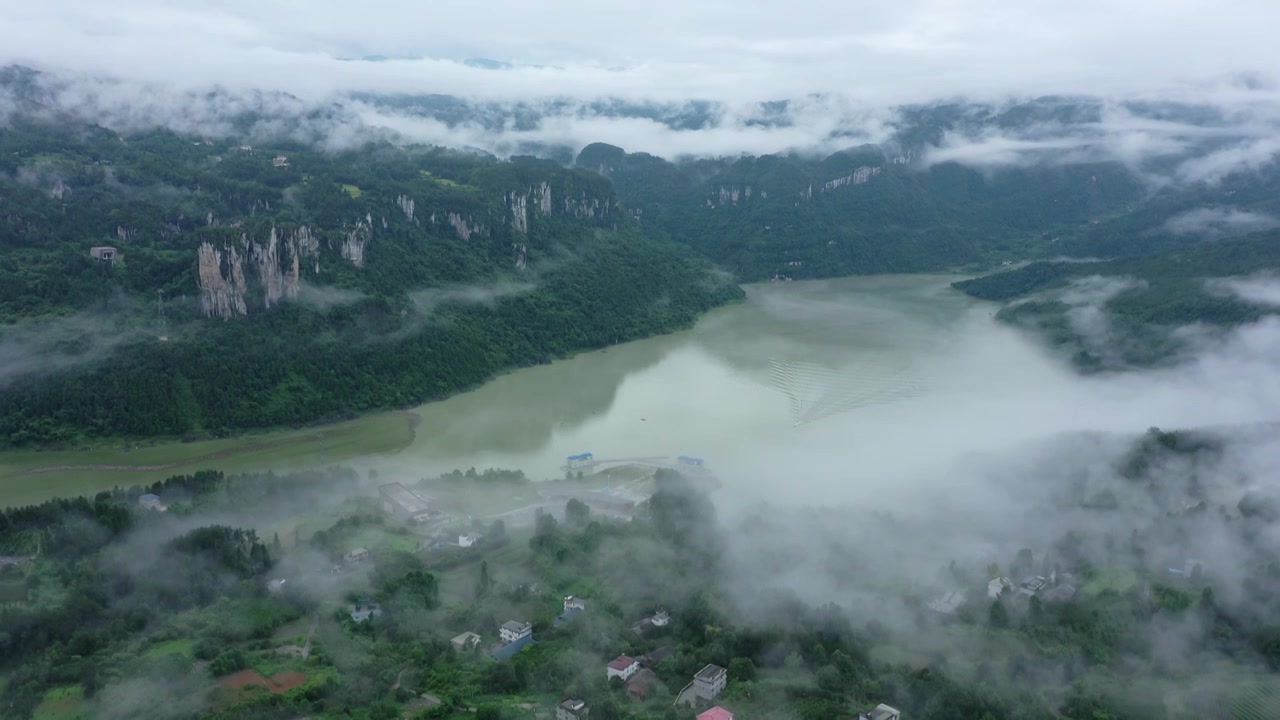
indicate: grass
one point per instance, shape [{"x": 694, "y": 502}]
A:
[
  {"x": 33, "y": 476},
  {"x": 1118, "y": 579},
  {"x": 171, "y": 647},
  {"x": 353, "y": 190},
  {"x": 440, "y": 180},
  {"x": 65, "y": 703}
]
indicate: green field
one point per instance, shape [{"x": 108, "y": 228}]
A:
[
  {"x": 62, "y": 704},
  {"x": 33, "y": 476},
  {"x": 353, "y": 190}
]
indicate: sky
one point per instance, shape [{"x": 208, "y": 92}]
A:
[
  {"x": 847, "y": 63},
  {"x": 744, "y": 50}
]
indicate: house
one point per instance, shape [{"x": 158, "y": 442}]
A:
[
  {"x": 657, "y": 620},
  {"x": 363, "y": 610},
  {"x": 466, "y": 541},
  {"x": 572, "y": 709},
  {"x": 512, "y": 631},
  {"x": 571, "y": 602},
  {"x": 105, "y": 253},
  {"x": 710, "y": 681},
  {"x": 465, "y": 641},
  {"x": 1031, "y": 587},
  {"x": 508, "y": 651},
  {"x": 622, "y": 667},
  {"x": 948, "y": 604},
  {"x": 881, "y": 712},
  {"x": 150, "y": 502},
  {"x": 280, "y": 161},
  {"x": 641, "y": 683},
  {"x": 660, "y": 619},
  {"x": 566, "y": 616},
  {"x": 997, "y": 586},
  {"x": 356, "y": 555},
  {"x": 404, "y": 504},
  {"x": 715, "y": 713},
  {"x": 1062, "y": 593},
  {"x": 657, "y": 656}
]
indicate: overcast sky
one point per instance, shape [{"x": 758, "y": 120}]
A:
[{"x": 881, "y": 51}]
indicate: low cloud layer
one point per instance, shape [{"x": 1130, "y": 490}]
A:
[{"x": 1216, "y": 222}]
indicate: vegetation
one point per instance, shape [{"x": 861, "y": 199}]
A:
[
  {"x": 406, "y": 291},
  {"x": 1144, "y": 299}
]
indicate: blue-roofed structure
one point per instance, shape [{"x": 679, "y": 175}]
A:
[
  {"x": 566, "y": 616},
  {"x": 687, "y": 460},
  {"x": 580, "y": 457},
  {"x": 508, "y": 651}
]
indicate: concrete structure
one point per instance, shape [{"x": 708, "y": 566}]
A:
[
  {"x": 404, "y": 504},
  {"x": 997, "y": 586},
  {"x": 657, "y": 656},
  {"x": 660, "y": 619},
  {"x": 356, "y": 555},
  {"x": 466, "y": 541},
  {"x": 572, "y": 709},
  {"x": 571, "y": 602},
  {"x": 715, "y": 713},
  {"x": 150, "y": 502},
  {"x": 105, "y": 253},
  {"x": 710, "y": 681},
  {"x": 465, "y": 641},
  {"x": 583, "y": 461},
  {"x": 512, "y": 631},
  {"x": 622, "y": 667},
  {"x": 948, "y": 604},
  {"x": 881, "y": 712},
  {"x": 280, "y": 161},
  {"x": 508, "y": 651},
  {"x": 640, "y": 685},
  {"x": 363, "y": 610}
]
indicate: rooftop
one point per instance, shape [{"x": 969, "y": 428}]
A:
[
  {"x": 411, "y": 501},
  {"x": 514, "y": 626},
  {"x": 709, "y": 673},
  {"x": 622, "y": 662},
  {"x": 716, "y": 713},
  {"x": 573, "y": 704},
  {"x": 567, "y": 615},
  {"x": 509, "y": 650}
]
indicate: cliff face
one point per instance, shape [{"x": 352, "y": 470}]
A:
[{"x": 274, "y": 264}]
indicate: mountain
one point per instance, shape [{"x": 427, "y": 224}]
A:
[
  {"x": 858, "y": 211},
  {"x": 155, "y": 283},
  {"x": 1134, "y": 311}
]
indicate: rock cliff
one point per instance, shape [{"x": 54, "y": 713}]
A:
[{"x": 275, "y": 263}]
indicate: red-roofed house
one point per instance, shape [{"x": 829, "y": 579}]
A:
[
  {"x": 623, "y": 667},
  {"x": 716, "y": 713}
]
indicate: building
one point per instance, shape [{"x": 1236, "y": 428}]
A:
[
  {"x": 508, "y": 651},
  {"x": 105, "y": 253},
  {"x": 150, "y": 502},
  {"x": 640, "y": 685},
  {"x": 948, "y": 604},
  {"x": 405, "y": 504},
  {"x": 466, "y": 641},
  {"x": 997, "y": 586},
  {"x": 657, "y": 656},
  {"x": 580, "y": 461},
  {"x": 571, "y": 602},
  {"x": 710, "y": 681},
  {"x": 622, "y": 667},
  {"x": 512, "y": 631},
  {"x": 466, "y": 541},
  {"x": 1031, "y": 587},
  {"x": 660, "y": 619},
  {"x": 363, "y": 610},
  {"x": 572, "y": 710},
  {"x": 1061, "y": 593},
  {"x": 715, "y": 713},
  {"x": 881, "y": 712},
  {"x": 356, "y": 555},
  {"x": 280, "y": 161}
]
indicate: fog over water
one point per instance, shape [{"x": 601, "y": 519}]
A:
[{"x": 906, "y": 382}]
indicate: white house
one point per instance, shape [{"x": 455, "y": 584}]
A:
[
  {"x": 571, "y": 602},
  {"x": 512, "y": 631},
  {"x": 660, "y": 619},
  {"x": 881, "y": 712},
  {"x": 280, "y": 161},
  {"x": 465, "y": 641},
  {"x": 997, "y": 586},
  {"x": 710, "y": 681},
  {"x": 150, "y": 502},
  {"x": 623, "y": 667},
  {"x": 572, "y": 709},
  {"x": 467, "y": 541},
  {"x": 357, "y": 555}
]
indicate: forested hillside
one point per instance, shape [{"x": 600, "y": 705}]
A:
[
  {"x": 1143, "y": 300},
  {"x": 860, "y": 211},
  {"x": 162, "y": 284}
]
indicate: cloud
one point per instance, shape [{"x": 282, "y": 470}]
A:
[
  {"x": 428, "y": 300},
  {"x": 841, "y": 66},
  {"x": 1261, "y": 289},
  {"x": 39, "y": 348},
  {"x": 1217, "y": 222}
]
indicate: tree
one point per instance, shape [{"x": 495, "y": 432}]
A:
[
  {"x": 482, "y": 588},
  {"x": 741, "y": 668},
  {"x": 576, "y": 512},
  {"x": 998, "y": 616}
]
